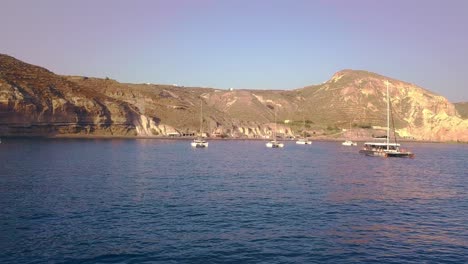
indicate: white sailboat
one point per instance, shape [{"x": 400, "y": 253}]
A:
[
  {"x": 274, "y": 143},
  {"x": 199, "y": 142},
  {"x": 387, "y": 149},
  {"x": 349, "y": 142},
  {"x": 304, "y": 140}
]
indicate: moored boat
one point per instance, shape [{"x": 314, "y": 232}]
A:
[
  {"x": 274, "y": 144},
  {"x": 383, "y": 149},
  {"x": 386, "y": 149},
  {"x": 349, "y": 143},
  {"x": 200, "y": 142},
  {"x": 303, "y": 141}
]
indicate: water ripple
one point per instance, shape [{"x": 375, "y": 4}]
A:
[{"x": 147, "y": 201}]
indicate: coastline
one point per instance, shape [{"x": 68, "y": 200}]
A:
[{"x": 319, "y": 139}]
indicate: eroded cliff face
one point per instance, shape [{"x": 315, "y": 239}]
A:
[
  {"x": 35, "y": 101},
  {"x": 171, "y": 109},
  {"x": 437, "y": 127},
  {"x": 417, "y": 113}
]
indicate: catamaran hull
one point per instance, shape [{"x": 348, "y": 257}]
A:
[
  {"x": 400, "y": 155},
  {"x": 385, "y": 154},
  {"x": 373, "y": 153}
]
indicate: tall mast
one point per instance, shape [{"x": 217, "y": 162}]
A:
[
  {"x": 201, "y": 117},
  {"x": 388, "y": 116},
  {"x": 303, "y": 127},
  {"x": 274, "y": 134}
]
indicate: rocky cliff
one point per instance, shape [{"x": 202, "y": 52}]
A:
[
  {"x": 35, "y": 101},
  {"x": 462, "y": 109},
  {"x": 417, "y": 113}
]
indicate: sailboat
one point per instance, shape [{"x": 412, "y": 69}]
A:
[
  {"x": 386, "y": 149},
  {"x": 199, "y": 142},
  {"x": 349, "y": 142},
  {"x": 304, "y": 140},
  {"x": 274, "y": 143}
]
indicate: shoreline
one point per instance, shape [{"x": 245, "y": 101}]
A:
[{"x": 321, "y": 139}]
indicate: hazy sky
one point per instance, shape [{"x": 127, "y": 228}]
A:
[{"x": 243, "y": 44}]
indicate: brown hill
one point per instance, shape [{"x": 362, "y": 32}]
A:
[{"x": 35, "y": 101}]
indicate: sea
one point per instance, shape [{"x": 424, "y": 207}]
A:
[{"x": 162, "y": 201}]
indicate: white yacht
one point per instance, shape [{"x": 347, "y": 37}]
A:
[
  {"x": 274, "y": 143},
  {"x": 304, "y": 140},
  {"x": 199, "y": 142},
  {"x": 349, "y": 143}
]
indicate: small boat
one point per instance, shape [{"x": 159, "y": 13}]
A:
[
  {"x": 274, "y": 143},
  {"x": 304, "y": 140},
  {"x": 386, "y": 149},
  {"x": 199, "y": 142},
  {"x": 349, "y": 143}
]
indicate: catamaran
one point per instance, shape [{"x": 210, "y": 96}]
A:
[
  {"x": 274, "y": 143},
  {"x": 199, "y": 142},
  {"x": 386, "y": 149}
]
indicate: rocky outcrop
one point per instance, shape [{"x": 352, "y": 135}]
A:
[
  {"x": 438, "y": 127},
  {"x": 462, "y": 109},
  {"x": 417, "y": 113},
  {"x": 35, "y": 101}
]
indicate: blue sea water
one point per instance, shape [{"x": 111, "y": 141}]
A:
[{"x": 147, "y": 201}]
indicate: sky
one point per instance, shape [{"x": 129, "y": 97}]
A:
[{"x": 243, "y": 44}]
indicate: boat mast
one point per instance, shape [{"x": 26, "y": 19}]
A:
[
  {"x": 388, "y": 117},
  {"x": 303, "y": 127},
  {"x": 350, "y": 123},
  {"x": 201, "y": 118},
  {"x": 274, "y": 134}
]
